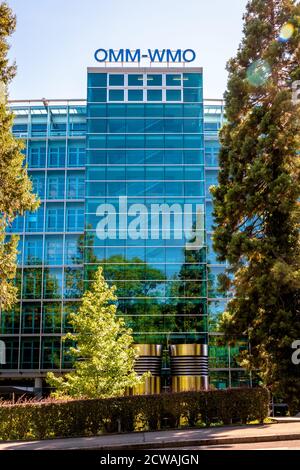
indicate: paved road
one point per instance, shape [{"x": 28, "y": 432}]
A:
[
  {"x": 215, "y": 436},
  {"x": 283, "y": 445}
]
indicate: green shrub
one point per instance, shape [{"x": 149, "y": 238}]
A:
[{"x": 48, "y": 419}]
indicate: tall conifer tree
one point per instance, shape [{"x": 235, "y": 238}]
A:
[
  {"x": 15, "y": 185},
  {"x": 257, "y": 200}
]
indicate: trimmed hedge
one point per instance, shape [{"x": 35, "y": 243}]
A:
[{"x": 41, "y": 420}]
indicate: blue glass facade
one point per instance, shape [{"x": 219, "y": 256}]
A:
[
  {"x": 151, "y": 151},
  {"x": 50, "y": 273},
  {"x": 143, "y": 147}
]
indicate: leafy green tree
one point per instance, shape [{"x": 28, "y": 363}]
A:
[
  {"x": 257, "y": 200},
  {"x": 15, "y": 185},
  {"x": 104, "y": 353}
]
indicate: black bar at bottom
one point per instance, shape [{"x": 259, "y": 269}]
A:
[{"x": 93, "y": 459}]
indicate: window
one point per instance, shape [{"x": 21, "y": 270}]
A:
[
  {"x": 154, "y": 80},
  {"x": 211, "y": 179},
  {"x": 195, "y": 188},
  {"x": 212, "y": 156},
  {"x": 135, "y": 80},
  {"x": 213, "y": 282},
  {"x": 192, "y": 125},
  {"x": 56, "y": 187},
  {"x": 211, "y": 126},
  {"x": 75, "y": 187},
  {"x": 153, "y": 125},
  {"x": 58, "y": 128},
  {"x": 173, "y": 110},
  {"x": 52, "y": 283},
  {"x": 116, "y": 80},
  {"x": 75, "y": 219},
  {"x": 97, "y": 95},
  {"x": 77, "y": 128},
  {"x": 173, "y": 141},
  {"x": 114, "y": 157},
  {"x": 30, "y": 348},
  {"x": 173, "y": 80},
  {"x": 192, "y": 95},
  {"x": 17, "y": 225},
  {"x": 55, "y": 219},
  {"x": 97, "y": 79},
  {"x": 153, "y": 141},
  {"x": 73, "y": 283},
  {"x": 116, "y": 126},
  {"x": 194, "y": 173},
  {"x": 35, "y": 220},
  {"x": 173, "y": 126},
  {"x": 193, "y": 141},
  {"x": 68, "y": 309},
  {"x": 56, "y": 157},
  {"x": 67, "y": 361},
  {"x": 37, "y": 157},
  {"x": 192, "y": 80},
  {"x": 116, "y": 110},
  {"x": 209, "y": 217},
  {"x": 51, "y": 353},
  {"x": 31, "y": 318},
  {"x": 154, "y": 173},
  {"x": 52, "y": 317},
  {"x": 135, "y": 110},
  {"x": 38, "y": 184},
  {"x": 73, "y": 247},
  {"x": 20, "y": 130},
  {"x": 33, "y": 250},
  {"x": 135, "y": 126},
  {"x": 97, "y": 126},
  {"x": 10, "y": 321},
  {"x": 173, "y": 95},
  {"x": 154, "y": 110},
  {"x": 116, "y": 95},
  {"x": 76, "y": 156},
  {"x": 38, "y": 130},
  {"x": 54, "y": 251},
  {"x": 96, "y": 157},
  {"x": 193, "y": 157},
  {"x": 154, "y": 95},
  {"x": 135, "y": 95},
  {"x": 115, "y": 141},
  {"x": 96, "y": 110},
  {"x": 32, "y": 283}
]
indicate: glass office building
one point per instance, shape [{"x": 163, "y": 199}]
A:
[{"x": 123, "y": 180}]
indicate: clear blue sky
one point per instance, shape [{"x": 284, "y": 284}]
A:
[{"x": 56, "y": 39}]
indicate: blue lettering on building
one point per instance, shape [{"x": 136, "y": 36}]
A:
[{"x": 155, "y": 55}]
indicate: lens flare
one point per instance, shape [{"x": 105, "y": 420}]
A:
[
  {"x": 258, "y": 73},
  {"x": 286, "y": 32}
]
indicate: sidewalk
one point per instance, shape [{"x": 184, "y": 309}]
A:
[{"x": 167, "y": 439}]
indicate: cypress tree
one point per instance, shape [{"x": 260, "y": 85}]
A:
[
  {"x": 15, "y": 185},
  {"x": 256, "y": 205}
]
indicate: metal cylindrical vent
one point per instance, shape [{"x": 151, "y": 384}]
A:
[
  {"x": 149, "y": 360},
  {"x": 189, "y": 367}
]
